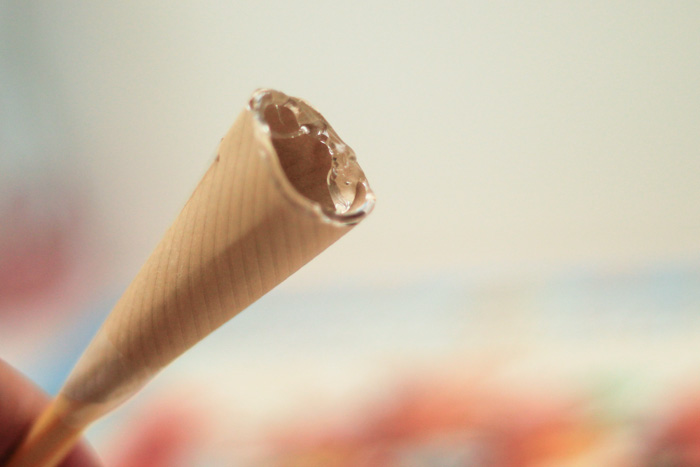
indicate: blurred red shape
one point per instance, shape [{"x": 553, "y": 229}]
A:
[
  {"x": 678, "y": 440},
  {"x": 35, "y": 244},
  {"x": 163, "y": 436}
]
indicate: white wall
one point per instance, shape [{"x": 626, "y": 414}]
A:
[{"x": 494, "y": 133}]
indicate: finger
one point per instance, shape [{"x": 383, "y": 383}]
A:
[{"x": 21, "y": 402}]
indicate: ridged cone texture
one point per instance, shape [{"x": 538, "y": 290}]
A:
[{"x": 238, "y": 236}]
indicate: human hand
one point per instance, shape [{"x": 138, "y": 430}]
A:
[{"x": 21, "y": 402}]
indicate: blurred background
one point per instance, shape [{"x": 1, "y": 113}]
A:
[{"x": 526, "y": 293}]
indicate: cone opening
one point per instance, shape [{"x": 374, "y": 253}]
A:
[{"x": 315, "y": 161}]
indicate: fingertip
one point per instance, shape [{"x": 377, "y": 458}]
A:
[{"x": 82, "y": 456}]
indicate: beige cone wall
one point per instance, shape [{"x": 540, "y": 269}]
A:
[{"x": 243, "y": 231}]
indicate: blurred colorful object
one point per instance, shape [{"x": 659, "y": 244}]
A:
[
  {"x": 677, "y": 438},
  {"x": 431, "y": 425},
  {"x": 557, "y": 135},
  {"x": 576, "y": 368},
  {"x": 37, "y": 234},
  {"x": 42, "y": 211},
  {"x": 166, "y": 434}
]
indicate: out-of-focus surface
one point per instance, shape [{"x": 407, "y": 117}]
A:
[{"x": 527, "y": 291}]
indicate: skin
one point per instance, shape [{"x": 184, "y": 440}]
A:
[{"x": 21, "y": 402}]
